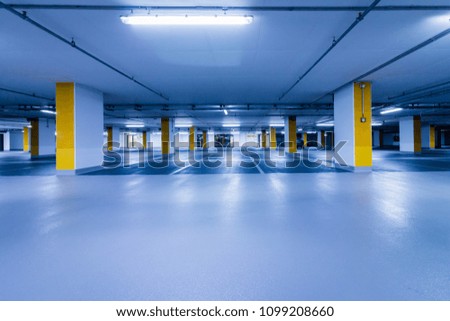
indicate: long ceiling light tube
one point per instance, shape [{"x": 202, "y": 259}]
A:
[
  {"x": 391, "y": 110},
  {"x": 182, "y": 20}
]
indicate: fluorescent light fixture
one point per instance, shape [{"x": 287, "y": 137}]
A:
[
  {"x": 391, "y": 110},
  {"x": 29, "y": 126},
  {"x": 325, "y": 125},
  {"x": 184, "y": 126},
  {"x": 225, "y": 112},
  {"x": 48, "y": 111},
  {"x": 311, "y": 132},
  {"x": 231, "y": 125},
  {"x": 186, "y": 20},
  {"x": 276, "y": 125},
  {"x": 377, "y": 123},
  {"x": 135, "y": 126}
]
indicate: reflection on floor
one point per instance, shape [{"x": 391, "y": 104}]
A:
[
  {"x": 19, "y": 164},
  {"x": 230, "y": 162},
  {"x": 321, "y": 236}
]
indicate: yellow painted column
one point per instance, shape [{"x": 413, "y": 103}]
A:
[
  {"x": 34, "y": 138},
  {"x": 263, "y": 138},
  {"x": 273, "y": 138},
  {"x": 363, "y": 124},
  {"x": 205, "y": 138},
  {"x": 305, "y": 139},
  {"x": 432, "y": 136},
  {"x": 417, "y": 135},
  {"x": 26, "y": 139},
  {"x": 65, "y": 123},
  {"x": 144, "y": 140},
  {"x": 322, "y": 138},
  {"x": 109, "y": 131},
  {"x": 292, "y": 134},
  {"x": 165, "y": 136},
  {"x": 192, "y": 138}
]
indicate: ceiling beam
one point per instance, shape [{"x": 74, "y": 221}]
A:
[
  {"x": 423, "y": 44},
  {"x": 24, "y": 16},
  {"x": 335, "y": 42},
  {"x": 25, "y": 94},
  {"x": 418, "y": 90},
  {"x": 228, "y": 8}
]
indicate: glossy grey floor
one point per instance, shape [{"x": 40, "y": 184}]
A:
[
  {"x": 236, "y": 162},
  {"x": 305, "y": 236}
]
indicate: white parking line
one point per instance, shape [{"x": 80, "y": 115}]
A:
[
  {"x": 180, "y": 169},
  {"x": 259, "y": 169}
]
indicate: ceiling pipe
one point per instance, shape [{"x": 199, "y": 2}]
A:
[
  {"x": 25, "y": 94},
  {"x": 216, "y": 108},
  {"x": 166, "y": 114},
  {"x": 360, "y": 18},
  {"x": 428, "y": 94},
  {"x": 391, "y": 61},
  {"x": 72, "y": 43},
  {"x": 231, "y": 8},
  {"x": 415, "y": 91}
]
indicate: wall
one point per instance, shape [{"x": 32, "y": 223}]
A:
[
  {"x": 16, "y": 140},
  {"x": 445, "y": 138},
  {"x": 155, "y": 139},
  {"x": 388, "y": 139},
  {"x": 250, "y": 138}
]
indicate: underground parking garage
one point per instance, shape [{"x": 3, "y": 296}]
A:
[{"x": 225, "y": 150}]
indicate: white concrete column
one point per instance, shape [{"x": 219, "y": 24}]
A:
[
  {"x": 6, "y": 142},
  {"x": 16, "y": 140},
  {"x": 353, "y": 126},
  {"x": 123, "y": 137},
  {"x": 425, "y": 135},
  {"x": 79, "y": 120},
  {"x": 43, "y": 140},
  {"x": 210, "y": 136},
  {"x": 410, "y": 134},
  {"x": 321, "y": 138},
  {"x": 182, "y": 139},
  {"x": 428, "y": 133}
]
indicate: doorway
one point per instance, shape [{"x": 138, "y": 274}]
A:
[{"x": 223, "y": 140}]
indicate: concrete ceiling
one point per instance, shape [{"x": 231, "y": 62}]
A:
[{"x": 211, "y": 66}]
